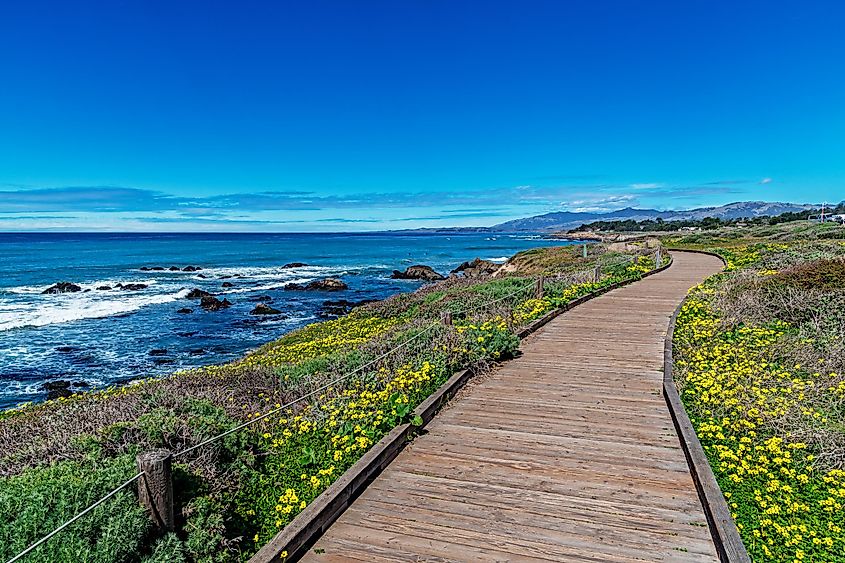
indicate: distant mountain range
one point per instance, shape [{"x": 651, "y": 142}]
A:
[{"x": 565, "y": 220}]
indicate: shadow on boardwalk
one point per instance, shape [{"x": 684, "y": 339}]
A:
[{"x": 566, "y": 453}]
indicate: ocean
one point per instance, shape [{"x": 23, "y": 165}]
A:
[{"x": 98, "y": 337}]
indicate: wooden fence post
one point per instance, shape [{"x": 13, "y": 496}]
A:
[
  {"x": 155, "y": 487},
  {"x": 446, "y": 317},
  {"x": 658, "y": 258},
  {"x": 584, "y": 250},
  {"x": 597, "y": 274},
  {"x": 538, "y": 287}
]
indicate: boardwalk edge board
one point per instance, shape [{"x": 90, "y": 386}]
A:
[
  {"x": 298, "y": 536},
  {"x": 725, "y": 535}
]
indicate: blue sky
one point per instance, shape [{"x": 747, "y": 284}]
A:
[{"x": 318, "y": 115}]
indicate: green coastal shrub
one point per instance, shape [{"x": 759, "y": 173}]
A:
[
  {"x": 39, "y": 500},
  {"x": 821, "y": 275},
  {"x": 167, "y": 550}
]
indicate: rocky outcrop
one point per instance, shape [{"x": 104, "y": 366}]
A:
[
  {"x": 327, "y": 284},
  {"x": 477, "y": 268},
  {"x": 210, "y": 303},
  {"x": 260, "y": 298},
  {"x": 197, "y": 294},
  {"x": 62, "y": 287},
  {"x": 338, "y": 307},
  {"x": 294, "y": 265},
  {"x": 418, "y": 272},
  {"x": 262, "y": 309},
  {"x": 185, "y": 311},
  {"x": 191, "y": 269},
  {"x": 174, "y": 268},
  {"x": 158, "y": 352},
  {"x": 104, "y": 288},
  {"x": 152, "y": 268},
  {"x": 227, "y": 284},
  {"x": 59, "y": 388},
  {"x": 131, "y": 286}
]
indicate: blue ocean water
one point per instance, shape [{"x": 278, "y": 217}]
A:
[{"x": 100, "y": 337}]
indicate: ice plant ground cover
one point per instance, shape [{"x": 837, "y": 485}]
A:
[
  {"x": 235, "y": 494},
  {"x": 760, "y": 366}
]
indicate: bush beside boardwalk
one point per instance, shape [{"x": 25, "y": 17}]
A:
[
  {"x": 238, "y": 492},
  {"x": 760, "y": 366}
]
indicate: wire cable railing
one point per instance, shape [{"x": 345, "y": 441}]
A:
[{"x": 531, "y": 284}]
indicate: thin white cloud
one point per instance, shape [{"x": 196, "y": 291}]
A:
[
  {"x": 598, "y": 204},
  {"x": 766, "y": 181},
  {"x": 646, "y": 186}
]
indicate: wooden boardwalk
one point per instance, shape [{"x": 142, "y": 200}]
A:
[{"x": 567, "y": 453}]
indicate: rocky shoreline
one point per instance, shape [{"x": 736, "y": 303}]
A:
[{"x": 206, "y": 301}]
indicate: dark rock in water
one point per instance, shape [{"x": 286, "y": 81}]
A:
[
  {"x": 295, "y": 265},
  {"x": 191, "y": 269},
  {"x": 62, "y": 287},
  {"x": 188, "y": 334},
  {"x": 260, "y": 298},
  {"x": 228, "y": 284},
  {"x": 163, "y": 361},
  {"x": 66, "y": 349},
  {"x": 145, "y": 268},
  {"x": 477, "y": 268},
  {"x": 133, "y": 286},
  {"x": 174, "y": 268},
  {"x": 197, "y": 294},
  {"x": 210, "y": 303},
  {"x": 262, "y": 309},
  {"x": 418, "y": 272},
  {"x": 225, "y": 277},
  {"x": 157, "y": 269},
  {"x": 57, "y": 389},
  {"x": 104, "y": 288},
  {"x": 185, "y": 311},
  {"x": 202, "y": 276},
  {"x": 327, "y": 284},
  {"x": 158, "y": 352},
  {"x": 339, "y": 307},
  {"x": 83, "y": 384},
  {"x": 197, "y": 352}
]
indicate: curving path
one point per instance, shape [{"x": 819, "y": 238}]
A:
[{"x": 566, "y": 453}]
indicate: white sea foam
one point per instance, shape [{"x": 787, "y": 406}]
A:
[
  {"x": 266, "y": 287},
  {"x": 250, "y": 272},
  {"x": 68, "y": 307},
  {"x": 25, "y": 306}
]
